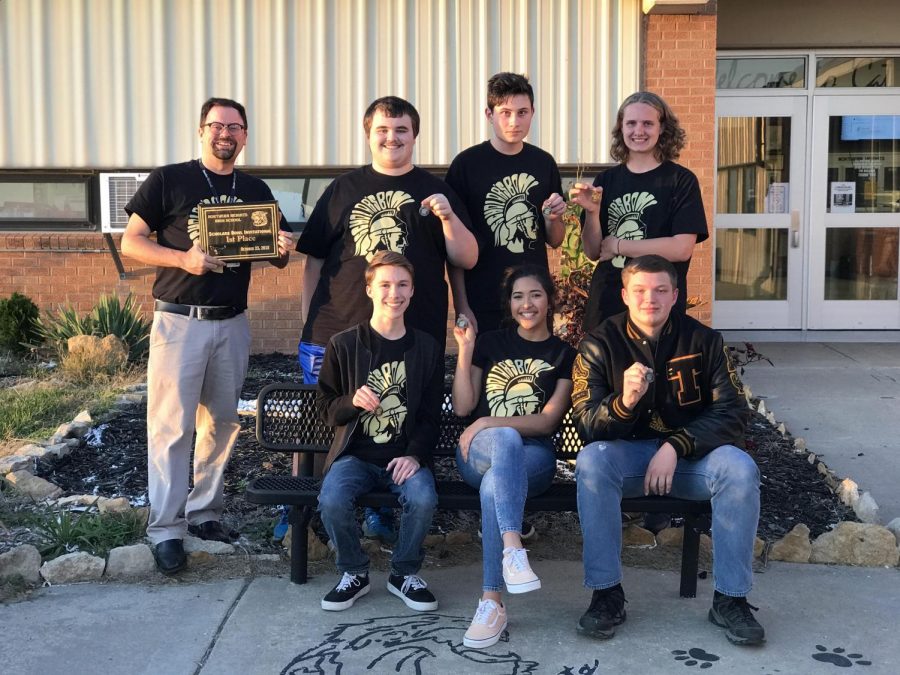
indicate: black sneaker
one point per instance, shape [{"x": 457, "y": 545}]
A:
[
  {"x": 346, "y": 592},
  {"x": 412, "y": 590},
  {"x": 734, "y": 615},
  {"x": 607, "y": 611}
]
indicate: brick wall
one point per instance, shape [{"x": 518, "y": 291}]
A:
[
  {"x": 680, "y": 66},
  {"x": 75, "y": 269}
]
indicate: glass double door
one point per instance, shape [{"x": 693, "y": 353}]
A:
[
  {"x": 807, "y": 224},
  {"x": 759, "y": 224}
]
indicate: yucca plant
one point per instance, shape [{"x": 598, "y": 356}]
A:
[
  {"x": 65, "y": 323},
  {"x": 110, "y": 317}
]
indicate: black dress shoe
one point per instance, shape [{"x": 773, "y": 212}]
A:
[
  {"x": 212, "y": 530},
  {"x": 170, "y": 557}
]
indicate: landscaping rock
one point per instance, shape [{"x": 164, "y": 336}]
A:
[
  {"x": 77, "y": 500},
  {"x": 793, "y": 547},
  {"x": 59, "y": 450},
  {"x": 433, "y": 540},
  {"x": 200, "y": 557},
  {"x": 671, "y": 536},
  {"x": 315, "y": 549},
  {"x": 192, "y": 544},
  {"x": 866, "y": 509},
  {"x": 759, "y": 546},
  {"x": 458, "y": 538},
  {"x": 15, "y": 463},
  {"x": 705, "y": 544},
  {"x": 848, "y": 492},
  {"x": 862, "y": 544},
  {"x": 32, "y": 450},
  {"x": 36, "y": 488},
  {"x": 800, "y": 445},
  {"x": 130, "y": 561},
  {"x": 637, "y": 536},
  {"x": 107, "y": 354},
  {"x": 894, "y": 526},
  {"x": 23, "y": 561},
  {"x": 68, "y": 430},
  {"x": 117, "y": 505},
  {"x": 72, "y": 568},
  {"x": 84, "y": 417}
]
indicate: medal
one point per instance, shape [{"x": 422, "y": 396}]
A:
[{"x": 424, "y": 211}]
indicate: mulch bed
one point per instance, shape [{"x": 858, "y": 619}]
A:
[{"x": 116, "y": 465}]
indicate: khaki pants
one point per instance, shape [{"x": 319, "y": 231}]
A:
[{"x": 194, "y": 378}]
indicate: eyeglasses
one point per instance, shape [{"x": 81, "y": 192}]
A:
[{"x": 218, "y": 127}]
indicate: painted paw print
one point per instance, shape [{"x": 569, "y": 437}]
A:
[
  {"x": 837, "y": 657},
  {"x": 695, "y": 656}
]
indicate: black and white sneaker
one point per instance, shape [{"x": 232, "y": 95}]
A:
[
  {"x": 412, "y": 590},
  {"x": 348, "y": 590}
]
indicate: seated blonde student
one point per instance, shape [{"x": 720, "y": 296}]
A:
[
  {"x": 380, "y": 387},
  {"x": 518, "y": 382}
]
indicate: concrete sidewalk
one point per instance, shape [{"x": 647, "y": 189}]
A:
[
  {"x": 844, "y": 399},
  {"x": 818, "y": 619}
]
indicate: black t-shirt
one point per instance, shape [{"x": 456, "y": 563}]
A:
[
  {"x": 363, "y": 212},
  {"x": 168, "y": 202},
  {"x": 662, "y": 202},
  {"x": 519, "y": 376},
  {"x": 381, "y": 436},
  {"x": 504, "y": 195}
]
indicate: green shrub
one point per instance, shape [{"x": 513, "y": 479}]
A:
[
  {"x": 18, "y": 323},
  {"x": 108, "y": 317}
]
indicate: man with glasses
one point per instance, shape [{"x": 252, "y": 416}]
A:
[{"x": 200, "y": 338}]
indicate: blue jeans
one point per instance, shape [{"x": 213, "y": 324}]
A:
[
  {"x": 350, "y": 477},
  {"x": 505, "y": 468},
  {"x": 607, "y": 471}
]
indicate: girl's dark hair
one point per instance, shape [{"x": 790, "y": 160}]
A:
[
  {"x": 513, "y": 274},
  {"x": 671, "y": 135}
]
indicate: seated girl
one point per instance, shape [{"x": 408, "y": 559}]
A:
[{"x": 518, "y": 381}]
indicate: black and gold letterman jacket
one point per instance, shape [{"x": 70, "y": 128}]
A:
[{"x": 695, "y": 401}]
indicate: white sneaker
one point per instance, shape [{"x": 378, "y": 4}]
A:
[
  {"x": 517, "y": 573},
  {"x": 487, "y": 626}
]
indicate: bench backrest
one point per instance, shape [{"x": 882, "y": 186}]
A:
[{"x": 286, "y": 420}]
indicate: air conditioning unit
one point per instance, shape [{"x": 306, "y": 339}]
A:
[{"x": 115, "y": 191}]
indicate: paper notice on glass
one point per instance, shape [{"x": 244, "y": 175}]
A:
[
  {"x": 843, "y": 197},
  {"x": 777, "y": 198}
]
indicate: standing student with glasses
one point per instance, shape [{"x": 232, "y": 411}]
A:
[{"x": 200, "y": 338}]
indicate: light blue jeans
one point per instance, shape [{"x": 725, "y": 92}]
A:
[
  {"x": 607, "y": 471},
  {"x": 505, "y": 468},
  {"x": 350, "y": 477}
]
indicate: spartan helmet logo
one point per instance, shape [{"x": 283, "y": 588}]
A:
[
  {"x": 376, "y": 225},
  {"x": 512, "y": 387},
  {"x": 510, "y": 215},
  {"x": 389, "y": 384},
  {"x": 625, "y": 219}
]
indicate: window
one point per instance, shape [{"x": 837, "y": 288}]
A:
[{"x": 44, "y": 201}]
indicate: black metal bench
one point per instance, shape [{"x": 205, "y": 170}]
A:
[{"x": 286, "y": 421}]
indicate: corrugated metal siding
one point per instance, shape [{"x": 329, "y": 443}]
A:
[{"x": 119, "y": 83}]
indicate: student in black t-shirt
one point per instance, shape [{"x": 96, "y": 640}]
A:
[
  {"x": 511, "y": 190},
  {"x": 645, "y": 205},
  {"x": 380, "y": 387},
  {"x": 518, "y": 381}
]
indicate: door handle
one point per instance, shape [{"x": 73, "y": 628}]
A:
[{"x": 795, "y": 228}]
